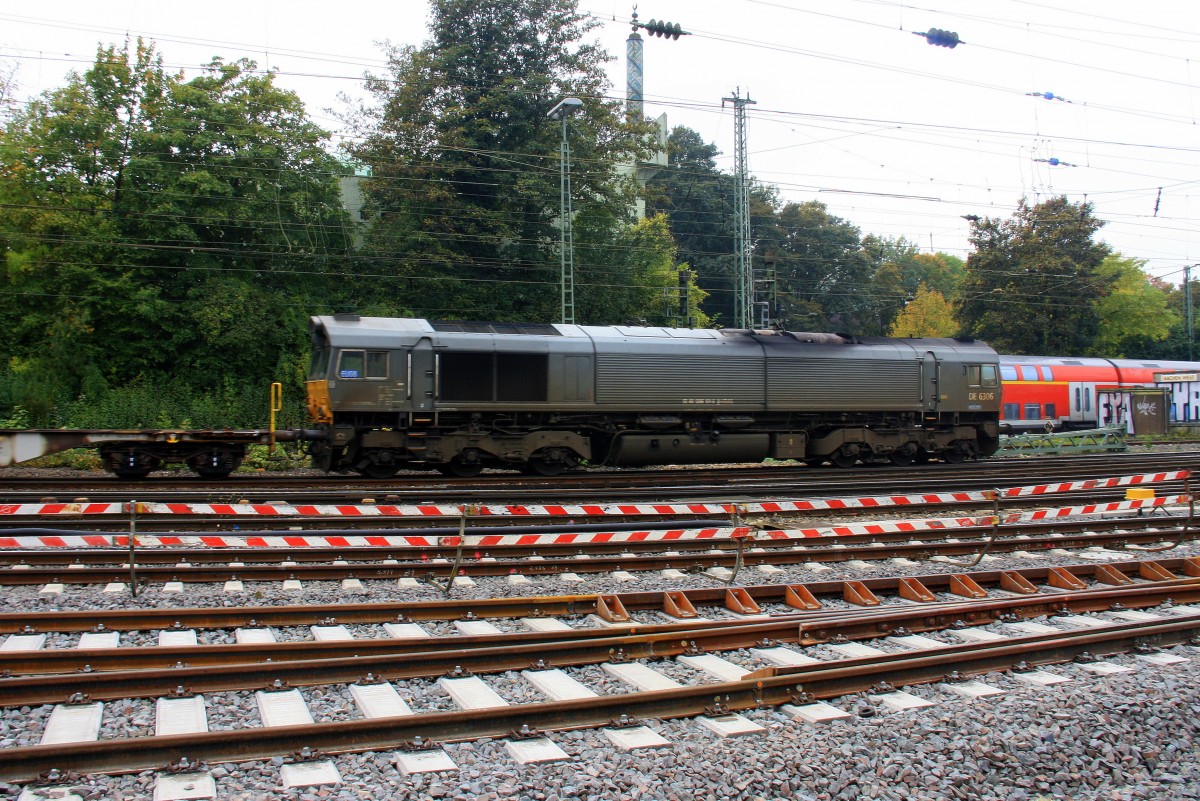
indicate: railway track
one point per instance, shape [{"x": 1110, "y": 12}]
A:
[
  {"x": 661, "y": 645},
  {"x": 599, "y": 485},
  {"x": 433, "y": 566},
  {"x": 797, "y": 648}
]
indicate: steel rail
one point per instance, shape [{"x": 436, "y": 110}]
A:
[
  {"x": 685, "y": 483},
  {"x": 174, "y": 555},
  {"x": 764, "y": 688},
  {"x": 507, "y": 560},
  {"x": 580, "y": 647},
  {"x": 15, "y": 621}
]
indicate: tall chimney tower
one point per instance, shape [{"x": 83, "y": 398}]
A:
[{"x": 633, "y": 72}]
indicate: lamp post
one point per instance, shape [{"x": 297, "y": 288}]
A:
[{"x": 564, "y": 109}]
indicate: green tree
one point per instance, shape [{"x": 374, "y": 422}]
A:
[
  {"x": 177, "y": 232},
  {"x": 643, "y": 287},
  {"x": 942, "y": 272},
  {"x": 929, "y": 314},
  {"x": 1135, "y": 311},
  {"x": 820, "y": 268},
  {"x": 465, "y": 164},
  {"x": 1033, "y": 281},
  {"x": 900, "y": 271},
  {"x": 697, "y": 199}
]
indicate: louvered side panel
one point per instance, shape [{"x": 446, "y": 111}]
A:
[
  {"x": 841, "y": 385},
  {"x": 655, "y": 382}
]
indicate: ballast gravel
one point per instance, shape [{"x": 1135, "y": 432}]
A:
[{"x": 1127, "y": 736}]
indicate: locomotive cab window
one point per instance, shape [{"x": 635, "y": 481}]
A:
[
  {"x": 319, "y": 365},
  {"x": 981, "y": 375},
  {"x": 363, "y": 364}
]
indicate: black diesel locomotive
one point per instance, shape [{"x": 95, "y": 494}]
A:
[{"x": 459, "y": 397}]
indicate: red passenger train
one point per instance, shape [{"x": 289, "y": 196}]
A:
[{"x": 1069, "y": 393}]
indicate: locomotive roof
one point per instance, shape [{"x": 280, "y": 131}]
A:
[{"x": 353, "y": 330}]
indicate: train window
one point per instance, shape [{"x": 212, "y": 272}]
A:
[
  {"x": 1033, "y": 411},
  {"x": 1012, "y": 411},
  {"x": 973, "y": 375},
  {"x": 377, "y": 364},
  {"x": 1047, "y": 373},
  {"x": 1008, "y": 372},
  {"x": 350, "y": 364},
  {"x": 363, "y": 364},
  {"x": 1078, "y": 404},
  {"x": 319, "y": 364},
  {"x": 1050, "y": 411},
  {"x": 989, "y": 375},
  {"x": 1029, "y": 373},
  {"x": 1087, "y": 399}
]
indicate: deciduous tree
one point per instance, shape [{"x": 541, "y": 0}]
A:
[
  {"x": 929, "y": 314},
  {"x": 177, "y": 231},
  {"x": 1137, "y": 309},
  {"x": 1032, "y": 283},
  {"x": 465, "y": 165}
]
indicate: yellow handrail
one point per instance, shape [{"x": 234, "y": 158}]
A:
[{"x": 276, "y": 406}]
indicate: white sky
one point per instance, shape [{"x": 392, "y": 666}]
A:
[{"x": 899, "y": 137}]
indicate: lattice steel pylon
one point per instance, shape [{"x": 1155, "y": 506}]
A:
[{"x": 743, "y": 282}]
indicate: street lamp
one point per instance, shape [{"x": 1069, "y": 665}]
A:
[{"x": 564, "y": 109}]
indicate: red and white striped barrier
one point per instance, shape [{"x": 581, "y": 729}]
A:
[
  {"x": 583, "y": 538},
  {"x": 1095, "y": 483},
  {"x": 574, "y": 510}
]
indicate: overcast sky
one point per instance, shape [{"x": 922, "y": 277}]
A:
[{"x": 897, "y": 136}]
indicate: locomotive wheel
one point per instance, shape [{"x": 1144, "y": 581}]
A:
[
  {"x": 457, "y": 467},
  {"x": 378, "y": 470},
  {"x": 903, "y": 456},
  {"x": 953, "y": 455},
  {"x": 846, "y": 456},
  {"x": 550, "y": 462}
]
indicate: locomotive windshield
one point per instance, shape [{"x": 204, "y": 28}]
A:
[{"x": 319, "y": 365}]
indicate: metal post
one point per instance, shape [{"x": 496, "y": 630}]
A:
[
  {"x": 568, "y": 235},
  {"x": 566, "y": 239},
  {"x": 133, "y": 548},
  {"x": 743, "y": 282}
]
